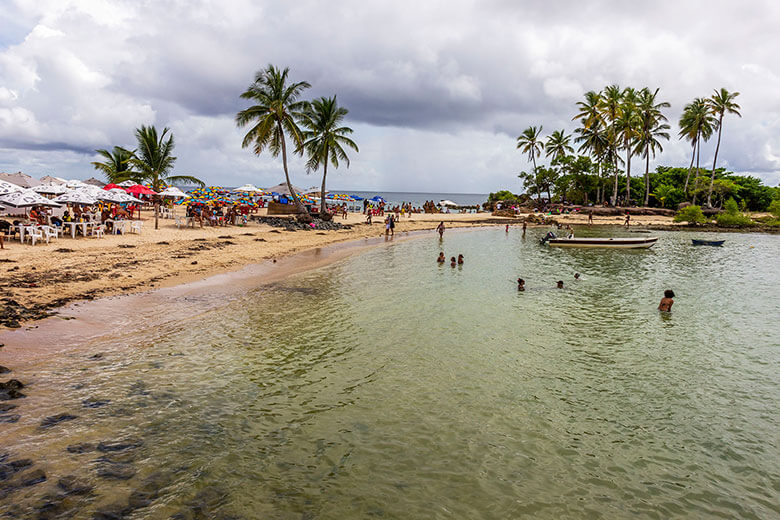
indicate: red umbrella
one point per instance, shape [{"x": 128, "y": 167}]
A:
[
  {"x": 137, "y": 189},
  {"x": 112, "y": 186}
]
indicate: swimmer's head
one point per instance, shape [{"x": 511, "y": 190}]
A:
[
  {"x": 668, "y": 293},
  {"x": 520, "y": 281},
  {"x": 576, "y": 276},
  {"x": 560, "y": 284}
]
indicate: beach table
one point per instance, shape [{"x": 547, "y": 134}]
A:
[
  {"x": 83, "y": 225},
  {"x": 119, "y": 225},
  {"x": 23, "y": 228}
]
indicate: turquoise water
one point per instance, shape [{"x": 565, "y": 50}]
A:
[{"x": 387, "y": 386}]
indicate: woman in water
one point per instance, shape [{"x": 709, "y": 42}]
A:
[
  {"x": 520, "y": 284},
  {"x": 441, "y": 258},
  {"x": 667, "y": 301},
  {"x": 440, "y": 229},
  {"x": 460, "y": 259}
]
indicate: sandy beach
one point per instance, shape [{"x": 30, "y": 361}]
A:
[{"x": 37, "y": 279}]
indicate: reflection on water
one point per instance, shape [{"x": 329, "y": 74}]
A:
[{"x": 387, "y": 385}]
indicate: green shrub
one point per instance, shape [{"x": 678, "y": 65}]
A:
[
  {"x": 690, "y": 214},
  {"x": 734, "y": 220},
  {"x": 730, "y": 207},
  {"x": 774, "y": 208}
]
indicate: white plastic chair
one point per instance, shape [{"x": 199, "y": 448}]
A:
[
  {"x": 49, "y": 232},
  {"x": 135, "y": 226},
  {"x": 33, "y": 234},
  {"x": 179, "y": 222},
  {"x": 98, "y": 231}
]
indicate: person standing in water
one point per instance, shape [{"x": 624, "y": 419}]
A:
[
  {"x": 667, "y": 301},
  {"x": 453, "y": 262},
  {"x": 440, "y": 228},
  {"x": 441, "y": 258},
  {"x": 506, "y": 229},
  {"x": 559, "y": 284},
  {"x": 525, "y": 225},
  {"x": 520, "y": 284},
  {"x": 460, "y": 259}
]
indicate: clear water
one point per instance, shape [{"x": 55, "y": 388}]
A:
[{"x": 387, "y": 386}]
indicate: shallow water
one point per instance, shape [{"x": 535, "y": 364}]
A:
[{"x": 386, "y": 386}]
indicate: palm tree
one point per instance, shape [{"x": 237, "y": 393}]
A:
[
  {"x": 529, "y": 142},
  {"x": 154, "y": 160},
  {"x": 116, "y": 167},
  {"x": 277, "y": 111},
  {"x": 628, "y": 130},
  {"x": 590, "y": 109},
  {"x": 653, "y": 128},
  {"x": 593, "y": 141},
  {"x": 324, "y": 139},
  {"x": 696, "y": 122},
  {"x": 611, "y": 106},
  {"x": 720, "y": 103},
  {"x": 557, "y": 145}
]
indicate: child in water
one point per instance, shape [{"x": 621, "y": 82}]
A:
[
  {"x": 460, "y": 259},
  {"x": 667, "y": 301},
  {"x": 520, "y": 284},
  {"x": 453, "y": 262}
]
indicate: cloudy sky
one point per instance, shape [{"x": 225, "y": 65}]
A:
[{"x": 437, "y": 90}]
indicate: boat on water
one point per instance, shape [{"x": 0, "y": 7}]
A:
[
  {"x": 716, "y": 243},
  {"x": 613, "y": 243}
]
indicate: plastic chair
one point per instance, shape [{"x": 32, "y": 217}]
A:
[
  {"x": 135, "y": 226},
  {"x": 99, "y": 231},
  {"x": 49, "y": 232},
  {"x": 33, "y": 234}
]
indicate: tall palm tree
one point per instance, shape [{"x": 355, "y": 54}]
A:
[
  {"x": 696, "y": 122},
  {"x": 277, "y": 111},
  {"x": 590, "y": 109},
  {"x": 116, "y": 167},
  {"x": 720, "y": 103},
  {"x": 628, "y": 130},
  {"x": 653, "y": 128},
  {"x": 593, "y": 140},
  {"x": 611, "y": 106},
  {"x": 154, "y": 161},
  {"x": 324, "y": 139},
  {"x": 557, "y": 145},
  {"x": 530, "y": 143}
]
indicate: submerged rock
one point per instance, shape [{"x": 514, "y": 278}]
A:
[
  {"x": 7, "y": 395},
  {"x": 72, "y": 485},
  {"x": 56, "y": 419},
  {"x": 4, "y": 407},
  {"x": 94, "y": 403},
  {"x": 125, "y": 444},
  {"x": 34, "y": 477},
  {"x": 12, "y": 384},
  {"x": 9, "y": 418},
  {"x": 83, "y": 447},
  {"x": 4, "y": 370},
  {"x": 115, "y": 470}
]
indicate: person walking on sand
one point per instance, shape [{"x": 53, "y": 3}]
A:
[
  {"x": 667, "y": 301},
  {"x": 392, "y": 225},
  {"x": 440, "y": 228},
  {"x": 628, "y": 218},
  {"x": 590, "y": 217}
]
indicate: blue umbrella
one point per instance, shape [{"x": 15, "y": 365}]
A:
[{"x": 377, "y": 198}]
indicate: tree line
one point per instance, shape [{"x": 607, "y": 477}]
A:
[{"x": 620, "y": 124}]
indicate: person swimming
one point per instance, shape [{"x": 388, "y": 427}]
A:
[
  {"x": 667, "y": 301},
  {"x": 441, "y": 258},
  {"x": 453, "y": 262},
  {"x": 577, "y": 276},
  {"x": 559, "y": 284},
  {"x": 520, "y": 284},
  {"x": 460, "y": 259}
]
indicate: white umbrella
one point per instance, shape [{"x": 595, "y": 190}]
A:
[
  {"x": 25, "y": 199},
  {"x": 9, "y": 187},
  {"x": 76, "y": 197},
  {"x": 74, "y": 183},
  {"x": 173, "y": 191},
  {"x": 247, "y": 188},
  {"x": 127, "y": 183},
  {"x": 119, "y": 197},
  {"x": 447, "y": 203},
  {"x": 50, "y": 189}
]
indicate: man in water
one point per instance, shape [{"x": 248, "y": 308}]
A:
[
  {"x": 559, "y": 284},
  {"x": 525, "y": 225},
  {"x": 667, "y": 301},
  {"x": 440, "y": 228},
  {"x": 441, "y": 258},
  {"x": 453, "y": 262},
  {"x": 520, "y": 284},
  {"x": 460, "y": 259},
  {"x": 577, "y": 276}
]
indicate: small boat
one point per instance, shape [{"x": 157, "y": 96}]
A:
[
  {"x": 614, "y": 243},
  {"x": 707, "y": 242}
]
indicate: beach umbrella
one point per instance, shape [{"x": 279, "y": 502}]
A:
[
  {"x": 25, "y": 199},
  {"x": 9, "y": 187},
  {"x": 172, "y": 191},
  {"x": 50, "y": 189},
  {"x": 377, "y": 198},
  {"x": 76, "y": 197},
  {"x": 447, "y": 203},
  {"x": 74, "y": 183},
  {"x": 127, "y": 183},
  {"x": 20, "y": 179},
  {"x": 247, "y": 188},
  {"x": 117, "y": 197},
  {"x": 112, "y": 186},
  {"x": 138, "y": 189}
]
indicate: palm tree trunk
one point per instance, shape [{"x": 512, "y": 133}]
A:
[
  {"x": 615, "y": 189},
  {"x": 690, "y": 169},
  {"x": 714, "y": 161},
  {"x": 296, "y": 200},
  {"x": 698, "y": 171},
  {"x": 323, "y": 207},
  {"x": 598, "y": 184},
  {"x": 156, "y": 213},
  {"x": 628, "y": 175},
  {"x": 647, "y": 176}
]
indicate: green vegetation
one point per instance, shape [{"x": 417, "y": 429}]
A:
[
  {"x": 279, "y": 113},
  {"x": 774, "y": 208},
  {"x": 690, "y": 214},
  {"x": 502, "y": 195},
  {"x": 618, "y": 124},
  {"x": 116, "y": 167},
  {"x": 731, "y": 217},
  {"x": 324, "y": 138}
]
